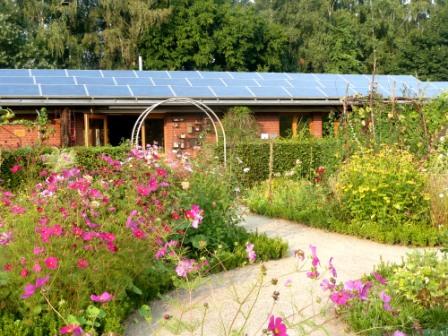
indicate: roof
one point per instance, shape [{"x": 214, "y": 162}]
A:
[{"x": 117, "y": 87}]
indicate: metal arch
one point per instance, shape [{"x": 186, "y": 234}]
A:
[{"x": 136, "y": 129}]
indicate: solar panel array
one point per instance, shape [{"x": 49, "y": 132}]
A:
[{"x": 25, "y": 83}]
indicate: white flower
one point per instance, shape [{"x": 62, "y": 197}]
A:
[
  {"x": 246, "y": 170},
  {"x": 441, "y": 195}
]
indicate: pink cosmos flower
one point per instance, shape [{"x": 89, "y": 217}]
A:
[
  {"x": 327, "y": 285},
  {"x": 139, "y": 234},
  {"x": 102, "y": 298},
  {"x": 5, "y": 238},
  {"x": 41, "y": 281},
  {"x": 313, "y": 274},
  {"x": 194, "y": 214},
  {"x": 24, "y": 273},
  {"x": 112, "y": 247},
  {"x": 17, "y": 210},
  {"x": 398, "y": 333},
  {"x": 315, "y": 260},
  {"x": 73, "y": 329},
  {"x": 184, "y": 267},
  {"x": 16, "y": 168},
  {"x": 82, "y": 263},
  {"x": 386, "y": 301},
  {"x": 51, "y": 263},
  {"x": 161, "y": 252},
  {"x": 251, "y": 255},
  {"x": 37, "y": 268},
  {"x": 379, "y": 278},
  {"x": 331, "y": 268},
  {"x": 38, "y": 250},
  {"x": 28, "y": 291},
  {"x": 276, "y": 326},
  {"x": 340, "y": 298}
]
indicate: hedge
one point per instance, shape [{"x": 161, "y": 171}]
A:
[
  {"x": 250, "y": 161},
  {"x": 29, "y": 160}
]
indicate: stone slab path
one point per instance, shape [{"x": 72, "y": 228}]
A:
[{"x": 352, "y": 258}]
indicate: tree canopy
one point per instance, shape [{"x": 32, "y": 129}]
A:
[{"x": 336, "y": 36}]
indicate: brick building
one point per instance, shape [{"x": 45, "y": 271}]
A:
[{"x": 97, "y": 107}]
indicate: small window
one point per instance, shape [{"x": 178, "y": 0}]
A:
[{"x": 285, "y": 126}]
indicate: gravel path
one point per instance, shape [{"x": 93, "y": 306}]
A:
[{"x": 352, "y": 258}]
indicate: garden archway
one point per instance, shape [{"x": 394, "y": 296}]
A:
[{"x": 136, "y": 129}]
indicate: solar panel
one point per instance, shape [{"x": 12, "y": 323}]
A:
[
  {"x": 95, "y": 80},
  {"x": 301, "y": 76},
  {"x": 19, "y": 90},
  {"x": 306, "y": 92},
  {"x": 55, "y": 80},
  {"x": 273, "y": 75},
  {"x": 214, "y": 74},
  {"x": 328, "y": 77},
  {"x": 337, "y": 92},
  {"x": 244, "y": 75},
  {"x": 274, "y": 82},
  {"x": 206, "y": 82},
  {"x": 188, "y": 91},
  {"x": 118, "y": 73},
  {"x": 63, "y": 90},
  {"x": 48, "y": 72},
  {"x": 84, "y": 73},
  {"x": 108, "y": 91},
  {"x": 240, "y": 82},
  {"x": 227, "y": 91},
  {"x": 305, "y": 83},
  {"x": 184, "y": 74},
  {"x": 152, "y": 74},
  {"x": 151, "y": 91},
  {"x": 269, "y": 92},
  {"x": 133, "y": 81},
  {"x": 441, "y": 85},
  {"x": 433, "y": 92},
  {"x": 14, "y": 72},
  {"x": 16, "y": 80},
  {"x": 334, "y": 84},
  {"x": 162, "y": 81}
]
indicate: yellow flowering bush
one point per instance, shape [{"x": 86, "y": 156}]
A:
[{"x": 383, "y": 187}]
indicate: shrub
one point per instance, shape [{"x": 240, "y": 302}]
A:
[
  {"x": 299, "y": 201},
  {"x": 384, "y": 188},
  {"x": 250, "y": 161},
  {"x": 419, "y": 298}
]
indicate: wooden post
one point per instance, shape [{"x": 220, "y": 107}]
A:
[
  {"x": 295, "y": 121},
  {"x": 86, "y": 130},
  {"x": 106, "y": 130},
  {"x": 271, "y": 168},
  {"x": 144, "y": 135},
  {"x": 65, "y": 127}
]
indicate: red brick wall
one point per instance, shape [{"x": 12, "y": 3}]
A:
[
  {"x": 316, "y": 125},
  {"x": 15, "y": 136},
  {"x": 268, "y": 123}
]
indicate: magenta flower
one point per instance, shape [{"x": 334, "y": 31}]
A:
[
  {"x": 398, "y": 333},
  {"x": 379, "y": 278},
  {"x": 340, "y": 298},
  {"x": 51, "y": 263},
  {"x": 17, "y": 210},
  {"x": 315, "y": 260},
  {"x": 102, "y": 298},
  {"x": 251, "y": 255},
  {"x": 41, "y": 281},
  {"x": 364, "y": 293},
  {"x": 82, "y": 263},
  {"x": 194, "y": 214},
  {"x": 386, "y": 301},
  {"x": 37, "y": 268},
  {"x": 28, "y": 291},
  {"x": 313, "y": 274},
  {"x": 276, "y": 326},
  {"x": 184, "y": 267},
  {"x": 139, "y": 234},
  {"x": 72, "y": 329},
  {"x": 327, "y": 285},
  {"x": 331, "y": 268},
  {"x": 5, "y": 238},
  {"x": 16, "y": 168},
  {"x": 38, "y": 250}
]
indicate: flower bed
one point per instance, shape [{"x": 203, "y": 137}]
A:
[{"x": 82, "y": 248}]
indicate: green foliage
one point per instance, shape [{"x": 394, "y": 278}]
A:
[
  {"x": 419, "y": 300},
  {"x": 384, "y": 188},
  {"x": 309, "y": 154},
  {"x": 240, "y": 125}
]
